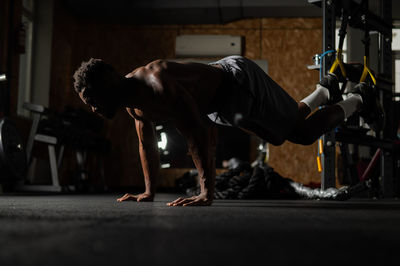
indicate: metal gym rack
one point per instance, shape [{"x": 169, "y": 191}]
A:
[{"x": 362, "y": 18}]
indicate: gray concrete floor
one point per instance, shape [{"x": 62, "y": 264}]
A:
[{"x": 97, "y": 230}]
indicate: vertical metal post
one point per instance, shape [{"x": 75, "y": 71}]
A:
[
  {"x": 81, "y": 159},
  {"x": 60, "y": 156},
  {"x": 386, "y": 41},
  {"x": 387, "y": 180},
  {"x": 53, "y": 165},
  {"x": 10, "y": 57},
  {"x": 32, "y": 133},
  {"x": 328, "y": 155}
]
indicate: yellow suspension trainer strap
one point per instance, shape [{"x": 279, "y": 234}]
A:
[
  {"x": 366, "y": 71},
  {"x": 338, "y": 63},
  {"x": 339, "y": 54}
]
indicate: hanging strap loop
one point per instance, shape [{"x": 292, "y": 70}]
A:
[
  {"x": 338, "y": 63},
  {"x": 367, "y": 71},
  {"x": 366, "y": 41},
  {"x": 339, "y": 55}
]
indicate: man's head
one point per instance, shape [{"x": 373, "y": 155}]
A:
[{"x": 97, "y": 84}]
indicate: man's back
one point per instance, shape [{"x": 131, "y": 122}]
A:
[{"x": 167, "y": 79}]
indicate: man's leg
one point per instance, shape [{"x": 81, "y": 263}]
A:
[
  {"x": 310, "y": 128},
  {"x": 326, "y": 92}
]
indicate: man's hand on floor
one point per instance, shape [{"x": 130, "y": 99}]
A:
[
  {"x": 200, "y": 200},
  {"x": 139, "y": 197}
]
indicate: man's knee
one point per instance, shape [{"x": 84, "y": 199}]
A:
[
  {"x": 308, "y": 140},
  {"x": 302, "y": 137},
  {"x": 276, "y": 141},
  {"x": 263, "y": 132}
]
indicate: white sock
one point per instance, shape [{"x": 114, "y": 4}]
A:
[
  {"x": 317, "y": 97},
  {"x": 352, "y": 104}
]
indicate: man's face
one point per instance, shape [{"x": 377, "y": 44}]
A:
[{"x": 99, "y": 103}]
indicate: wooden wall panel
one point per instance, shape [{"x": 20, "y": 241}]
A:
[
  {"x": 240, "y": 25},
  {"x": 292, "y": 23}
]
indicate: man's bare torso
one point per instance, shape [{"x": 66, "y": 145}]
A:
[{"x": 167, "y": 82}]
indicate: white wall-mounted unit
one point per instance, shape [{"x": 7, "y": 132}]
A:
[{"x": 207, "y": 45}]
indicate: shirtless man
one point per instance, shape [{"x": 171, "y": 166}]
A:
[{"x": 195, "y": 97}]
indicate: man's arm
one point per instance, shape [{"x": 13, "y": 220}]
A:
[
  {"x": 148, "y": 151},
  {"x": 149, "y": 158},
  {"x": 201, "y": 140}
]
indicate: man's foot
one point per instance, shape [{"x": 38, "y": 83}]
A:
[
  {"x": 371, "y": 111},
  {"x": 331, "y": 83}
]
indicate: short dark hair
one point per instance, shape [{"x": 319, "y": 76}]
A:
[{"x": 89, "y": 73}]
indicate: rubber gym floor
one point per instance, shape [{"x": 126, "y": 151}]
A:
[{"x": 97, "y": 230}]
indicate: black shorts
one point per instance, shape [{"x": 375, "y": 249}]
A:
[{"x": 248, "y": 91}]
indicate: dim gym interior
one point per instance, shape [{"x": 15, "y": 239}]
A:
[{"x": 218, "y": 132}]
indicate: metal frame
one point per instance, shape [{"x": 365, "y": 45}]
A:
[
  {"x": 54, "y": 163},
  {"x": 387, "y": 180},
  {"x": 55, "y": 159},
  {"x": 328, "y": 140},
  {"x": 381, "y": 24}
]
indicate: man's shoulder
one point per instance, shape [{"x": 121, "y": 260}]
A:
[
  {"x": 157, "y": 65},
  {"x": 149, "y": 68}
]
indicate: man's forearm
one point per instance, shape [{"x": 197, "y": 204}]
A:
[
  {"x": 151, "y": 167},
  {"x": 148, "y": 152},
  {"x": 205, "y": 165},
  {"x": 203, "y": 155}
]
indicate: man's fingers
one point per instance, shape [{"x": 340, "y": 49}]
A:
[
  {"x": 177, "y": 202},
  {"x": 127, "y": 197},
  {"x": 198, "y": 203},
  {"x": 174, "y": 202},
  {"x": 144, "y": 198},
  {"x": 192, "y": 203},
  {"x": 119, "y": 199},
  {"x": 123, "y": 197},
  {"x": 181, "y": 201}
]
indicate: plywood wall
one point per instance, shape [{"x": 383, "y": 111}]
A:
[{"x": 287, "y": 44}]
